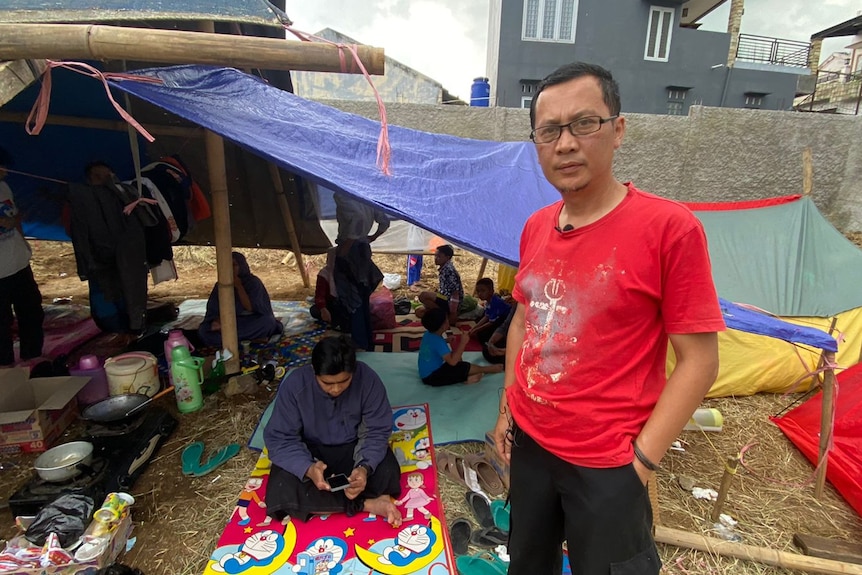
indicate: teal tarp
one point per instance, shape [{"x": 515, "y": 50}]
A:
[{"x": 786, "y": 259}]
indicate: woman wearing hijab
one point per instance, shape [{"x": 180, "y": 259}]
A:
[{"x": 254, "y": 317}]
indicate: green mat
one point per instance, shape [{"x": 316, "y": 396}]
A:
[{"x": 460, "y": 412}]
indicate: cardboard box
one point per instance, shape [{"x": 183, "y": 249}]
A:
[
  {"x": 498, "y": 464},
  {"x": 34, "y": 412}
]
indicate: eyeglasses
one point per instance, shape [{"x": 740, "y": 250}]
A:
[{"x": 580, "y": 127}]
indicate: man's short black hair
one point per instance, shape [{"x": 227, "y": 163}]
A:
[
  {"x": 610, "y": 88},
  {"x": 446, "y": 250},
  {"x": 434, "y": 319},
  {"x": 333, "y": 355},
  {"x": 487, "y": 282},
  {"x": 93, "y": 165}
]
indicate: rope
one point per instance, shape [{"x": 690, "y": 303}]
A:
[
  {"x": 39, "y": 113},
  {"x": 384, "y": 151},
  {"x": 29, "y": 175}
]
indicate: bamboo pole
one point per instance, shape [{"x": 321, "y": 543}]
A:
[
  {"x": 97, "y": 42},
  {"x": 826, "y": 422},
  {"x": 751, "y": 553},
  {"x": 109, "y": 125},
  {"x": 221, "y": 229},
  {"x": 288, "y": 221},
  {"x": 807, "y": 172},
  {"x": 726, "y": 479},
  {"x": 482, "y": 269}
]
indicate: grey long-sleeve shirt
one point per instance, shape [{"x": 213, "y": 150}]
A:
[{"x": 303, "y": 413}]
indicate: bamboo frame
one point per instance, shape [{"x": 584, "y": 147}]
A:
[
  {"x": 826, "y": 423},
  {"x": 287, "y": 216},
  {"x": 751, "y": 553},
  {"x": 98, "y": 42},
  {"x": 109, "y": 125}
]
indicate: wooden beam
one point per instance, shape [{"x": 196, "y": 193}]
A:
[
  {"x": 826, "y": 423},
  {"x": 287, "y": 217},
  {"x": 482, "y": 269},
  {"x": 17, "y": 75},
  {"x": 97, "y": 42},
  {"x": 750, "y": 553},
  {"x": 826, "y": 548},
  {"x": 109, "y": 125}
]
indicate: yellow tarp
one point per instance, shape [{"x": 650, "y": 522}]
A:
[{"x": 752, "y": 364}]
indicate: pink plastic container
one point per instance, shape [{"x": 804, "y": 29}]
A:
[
  {"x": 97, "y": 390},
  {"x": 176, "y": 338}
]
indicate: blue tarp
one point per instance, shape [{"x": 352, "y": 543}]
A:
[
  {"x": 451, "y": 186},
  {"x": 750, "y": 321},
  {"x": 46, "y": 11}
]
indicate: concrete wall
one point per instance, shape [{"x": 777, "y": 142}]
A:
[
  {"x": 714, "y": 154},
  {"x": 612, "y": 33}
]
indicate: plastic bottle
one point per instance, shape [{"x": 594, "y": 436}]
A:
[
  {"x": 187, "y": 372},
  {"x": 97, "y": 389},
  {"x": 706, "y": 419},
  {"x": 176, "y": 338}
]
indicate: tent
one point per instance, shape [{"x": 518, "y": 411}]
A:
[
  {"x": 782, "y": 256},
  {"x": 778, "y": 256}
]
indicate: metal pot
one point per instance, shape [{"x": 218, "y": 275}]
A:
[
  {"x": 119, "y": 407},
  {"x": 64, "y": 461}
]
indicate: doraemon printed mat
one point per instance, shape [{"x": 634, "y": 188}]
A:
[{"x": 254, "y": 544}]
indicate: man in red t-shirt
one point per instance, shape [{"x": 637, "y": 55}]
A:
[{"x": 607, "y": 275}]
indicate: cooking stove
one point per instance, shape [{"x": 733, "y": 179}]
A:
[{"x": 121, "y": 453}]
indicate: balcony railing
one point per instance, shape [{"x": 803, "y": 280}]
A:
[{"x": 772, "y": 51}]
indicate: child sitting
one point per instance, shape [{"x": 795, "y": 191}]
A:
[
  {"x": 441, "y": 365},
  {"x": 451, "y": 291},
  {"x": 496, "y": 310}
]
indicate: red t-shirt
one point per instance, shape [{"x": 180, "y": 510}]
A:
[{"x": 599, "y": 303}]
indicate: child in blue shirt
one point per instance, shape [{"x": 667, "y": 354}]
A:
[
  {"x": 439, "y": 364},
  {"x": 496, "y": 311}
]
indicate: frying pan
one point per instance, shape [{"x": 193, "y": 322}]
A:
[{"x": 119, "y": 407}]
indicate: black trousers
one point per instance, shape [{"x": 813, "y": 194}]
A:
[
  {"x": 603, "y": 514},
  {"x": 300, "y": 499},
  {"x": 19, "y": 292}
]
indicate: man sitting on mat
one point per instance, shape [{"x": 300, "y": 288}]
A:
[
  {"x": 451, "y": 292},
  {"x": 441, "y": 365},
  {"x": 331, "y": 417}
]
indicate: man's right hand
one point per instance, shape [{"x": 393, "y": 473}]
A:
[
  {"x": 325, "y": 315},
  {"x": 502, "y": 442},
  {"x": 315, "y": 474}
]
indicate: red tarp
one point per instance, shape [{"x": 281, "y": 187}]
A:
[{"x": 802, "y": 427}]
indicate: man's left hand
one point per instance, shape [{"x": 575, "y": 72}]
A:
[
  {"x": 644, "y": 474},
  {"x": 358, "y": 479}
]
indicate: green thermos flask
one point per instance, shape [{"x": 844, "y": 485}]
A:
[{"x": 187, "y": 372}]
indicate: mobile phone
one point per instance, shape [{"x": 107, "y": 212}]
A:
[{"x": 338, "y": 482}]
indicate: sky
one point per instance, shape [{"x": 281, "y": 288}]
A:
[{"x": 447, "y": 39}]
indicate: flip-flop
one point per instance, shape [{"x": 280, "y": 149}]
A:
[
  {"x": 489, "y": 479},
  {"x": 500, "y": 513},
  {"x": 481, "y": 564},
  {"x": 218, "y": 457},
  {"x": 452, "y": 467},
  {"x": 489, "y": 537},
  {"x": 480, "y": 508},
  {"x": 459, "y": 534},
  {"x": 191, "y": 457}
]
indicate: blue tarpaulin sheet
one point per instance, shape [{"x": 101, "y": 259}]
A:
[
  {"x": 750, "y": 321},
  {"x": 47, "y": 11},
  {"x": 442, "y": 183}
]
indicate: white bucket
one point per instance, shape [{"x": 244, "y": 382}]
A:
[{"x": 134, "y": 372}]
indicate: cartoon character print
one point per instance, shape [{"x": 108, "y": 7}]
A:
[
  {"x": 422, "y": 453},
  {"x": 415, "y": 498},
  {"x": 409, "y": 419},
  {"x": 246, "y": 496},
  {"x": 257, "y": 551},
  {"x": 323, "y": 557},
  {"x": 413, "y": 542}
]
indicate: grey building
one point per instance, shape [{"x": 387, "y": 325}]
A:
[{"x": 662, "y": 62}]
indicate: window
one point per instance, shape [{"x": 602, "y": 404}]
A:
[
  {"x": 549, "y": 20},
  {"x": 753, "y": 100},
  {"x": 659, "y": 32},
  {"x": 676, "y": 100},
  {"x": 529, "y": 87},
  {"x": 526, "y": 101}
]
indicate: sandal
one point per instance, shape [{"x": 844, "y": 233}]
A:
[
  {"x": 456, "y": 468},
  {"x": 489, "y": 537},
  {"x": 191, "y": 458},
  {"x": 459, "y": 534},
  {"x": 480, "y": 508},
  {"x": 481, "y": 564},
  {"x": 500, "y": 513},
  {"x": 489, "y": 479}
]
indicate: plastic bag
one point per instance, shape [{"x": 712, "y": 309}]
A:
[
  {"x": 67, "y": 516},
  {"x": 392, "y": 281}
]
